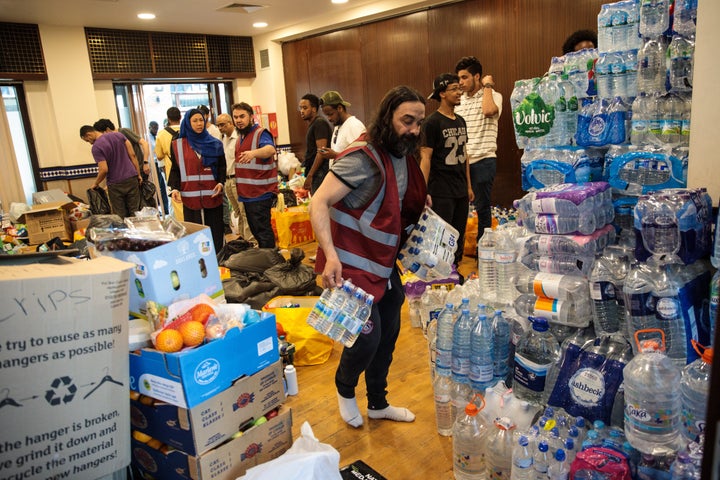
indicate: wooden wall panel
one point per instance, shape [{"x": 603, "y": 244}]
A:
[
  {"x": 513, "y": 39},
  {"x": 295, "y": 65}
]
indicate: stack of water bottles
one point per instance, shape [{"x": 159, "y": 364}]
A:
[
  {"x": 544, "y": 167},
  {"x": 341, "y": 313},
  {"x": 634, "y": 170},
  {"x": 429, "y": 251}
]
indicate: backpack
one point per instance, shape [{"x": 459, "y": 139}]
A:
[
  {"x": 175, "y": 133},
  {"x": 133, "y": 138}
]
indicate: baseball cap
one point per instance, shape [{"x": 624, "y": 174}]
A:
[
  {"x": 331, "y": 97},
  {"x": 440, "y": 84}
]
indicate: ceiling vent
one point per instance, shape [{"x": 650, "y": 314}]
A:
[{"x": 241, "y": 8}]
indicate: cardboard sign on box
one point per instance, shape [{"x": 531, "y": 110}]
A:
[
  {"x": 190, "y": 377},
  {"x": 64, "y": 369},
  {"x": 198, "y": 429},
  {"x": 176, "y": 270},
  {"x": 226, "y": 462},
  {"x": 47, "y": 221}
]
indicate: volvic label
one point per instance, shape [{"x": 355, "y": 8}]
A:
[{"x": 533, "y": 118}]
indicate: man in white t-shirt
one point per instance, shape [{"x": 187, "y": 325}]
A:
[{"x": 347, "y": 127}]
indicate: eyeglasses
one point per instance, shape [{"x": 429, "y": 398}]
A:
[
  {"x": 221, "y": 124},
  {"x": 452, "y": 89}
]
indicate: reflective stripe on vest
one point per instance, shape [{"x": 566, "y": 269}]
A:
[
  {"x": 365, "y": 264},
  {"x": 199, "y": 182}
]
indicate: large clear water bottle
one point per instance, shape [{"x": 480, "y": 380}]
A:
[
  {"x": 566, "y": 312},
  {"x": 461, "y": 347},
  {"x": 444, "y": 343},
  {"x": 548, "y": 90},
  {"x": 604, "y": 296},
  {"x": 572, "y": 107},
  {"x": 695, "y": 388},
  {"x": 673, "y": 106},
  {"x": 498, "y": 455},
  {"x": 487, "y": 271},
  {"x": 630, "y": 67},
  {"x": 681, "y": 52},
  {"x": 501, "y": 347},
  {"x": 654, "y": 17},
  {"x": 535, "y": 353},
  {"x": 640, "y": 127},
  {"x": 552, "y": 285},
  {"x": 460, "y": 395},
  {"x": 505, "y": 265},
  {"x": 481, "y": 355},
  {"x": 651, "y": 67},
  {"x": 639, "y": 306},
  {"x": 442, "y": 386},
  {"x": 602, "y": 76},
  {"x": 668, "y": 312},
  {"x": 685, "y": 17},
  {"x": 653, "y": 405},
  {"x": 521, "y": 90},
  {"x": 469, "y": 433}
]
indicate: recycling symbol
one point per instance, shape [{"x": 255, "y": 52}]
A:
[{"x": 62, "y": 391}]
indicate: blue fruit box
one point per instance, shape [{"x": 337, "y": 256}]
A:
[
  {"x": 190, "y": 377},
  {"x": 182, "y": 269}
]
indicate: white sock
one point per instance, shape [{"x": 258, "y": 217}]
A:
[
  {"x": 397, "y": 414},
  {"x": 349, "y": 411}
]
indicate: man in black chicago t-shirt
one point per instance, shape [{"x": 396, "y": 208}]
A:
[{"x": 442, "y": 158}]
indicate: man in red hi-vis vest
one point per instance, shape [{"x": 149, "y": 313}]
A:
[
  {"x": 255, "y": 173},
  {"x": 372, "y": 194}
]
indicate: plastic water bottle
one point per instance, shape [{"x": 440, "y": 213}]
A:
[
  {"x": 560, "y": 224},
  {"x": 462, "y": 330},
  {"x": 499, "y": 448},
  {"x": 443, "y": 405},
  {"x": 668, "y": 312},
  {"x": 558, "y": 469},
  {"x": 714, "y": 303},
  {"x": 695, "y": 388},
  {"x": 654, "y": 17},
  {"x": 651, "y": 67},
  {"x": 653, "y": 405},
  {"x": 681, "y": 52},
  {"x": 460, "y": 395},
  {"x": 573, "y": 343},
  {"x": 571, "y": 112},
  {"x": 432, "y": 347},
  {"x": 427, "y": 259},
  {"x": 683, "y": 468},
  {"x": 487, "y": 271},
  {"x": 552, "y": 285},
  {"x": 444, "y": 343},
  {"x": 673, "y": 106},
  {"x": 522, "y": 460},
  {"x": 604, "y": 295},
  {"x": 548, "y": 90},
  {"x": 353, "y": 326},
  {"x": 501, "y": 346},
  {"x": 639, "y": 307},
  {"x": 505, "y": 264},
  {"x": 469, "y": 433},
  {"x": 602, "y": 76},
  {"x": 630, "y": 72},
  {"x": 481, "y": 355},
  {"x": 565, "y": 312},
  {"x": 685, "y": 17},
  {"x": 519, "y": 93},
  {"x": 541, "y": 459},
  {"x": 640, "y": 120},
  {"x": 347, "y": 314},
  {"x": 535, "y": 353}
]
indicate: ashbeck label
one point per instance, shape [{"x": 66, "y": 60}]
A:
[{"x": 587, "y": 387}]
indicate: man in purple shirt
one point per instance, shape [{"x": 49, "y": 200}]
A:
[{"x": 117, "y": 164}]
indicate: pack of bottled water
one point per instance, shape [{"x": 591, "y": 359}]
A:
[
  {"x": 618, "y": 26},
  {"x": 584, "y": 246},
  {"x": 429, "y": 252},
  {"x": 674, "y": 222},
  {"x": 616, "y": 74},
  {"x": 544, "y": 167},
  {"x": 633, "y": 170},
  {"x": 341, "y": 313},
  {"x": 602, "y": 122}
]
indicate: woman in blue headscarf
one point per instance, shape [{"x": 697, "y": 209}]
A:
[{"x": 197, "y": 175}]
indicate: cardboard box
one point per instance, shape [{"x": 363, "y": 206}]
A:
[
  {"x": 47, "y": 221},
  {"x": 190, "y": 377},
  {"x": 227, "y": 462},
  {"x": 176, "y": 270},
  {"x": 198, "y": 429},
  {"x": 64, "y": 370}
]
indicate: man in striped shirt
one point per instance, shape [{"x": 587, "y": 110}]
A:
[{"x": 480, "y": 106}]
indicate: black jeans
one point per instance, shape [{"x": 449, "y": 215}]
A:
[
  {"x": 372, "y": 353},
  {"x": 455, "y": 212},
  {"x": 258, "y": 218},
  {"x": 124, "y": 197},
  {"x": 482, "y": 176}
]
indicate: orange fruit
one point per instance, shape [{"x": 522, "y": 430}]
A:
[
  {"x": 141, "y": 437},
  {"x": 169, "y": 340},
  {"x": 193, "y": 332},
  {"x": 201, "y": 312}
]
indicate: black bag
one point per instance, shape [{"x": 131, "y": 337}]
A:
[
  {"x": 147, "y": 194},
  {"x": 98, "y": 200}
]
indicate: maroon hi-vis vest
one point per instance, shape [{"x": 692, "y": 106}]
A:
[
  {"x": 197, "y": 183},
  {"x": 259, "y": 176},
  {"x": 367, "y": 239}
]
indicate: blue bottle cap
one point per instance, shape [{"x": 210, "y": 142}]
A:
[{"x": 539, "y": 324}]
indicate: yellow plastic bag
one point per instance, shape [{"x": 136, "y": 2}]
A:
[
  {"x": 292, "y": 227},
  {"x": 311, "y": 346}
]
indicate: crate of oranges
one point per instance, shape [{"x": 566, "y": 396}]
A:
[{"x": 200, "y": 348}]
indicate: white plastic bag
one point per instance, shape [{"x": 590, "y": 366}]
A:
[
  {"x": 288, "y": 161},
  {"x": 307, "y": 459}
]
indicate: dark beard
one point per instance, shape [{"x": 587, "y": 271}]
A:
[
  {"x": 246, "y": 130},
  {"x": 404, "y": 145}
]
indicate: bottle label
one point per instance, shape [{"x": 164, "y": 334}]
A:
[
  {"x": 504, "y": 257},
  {"x": 486, "y": 255},
  {"x": 547, "y": 284},
  {"x": 544, "y": 205},
  {"x": 545, "y": 307},
  {"x": 656, "y": 422},
  {"x": 641, "y": 304},
  {"x": 546, "y": 224},
  {"x": 481, "y": 373},
  {"x": 533, "y": 117},
  {"x": 443, "y": 358},
  {"x": 667, "y": 308},
  {"x": 529, "y": 374},
  {"x": 603, "y": 291},
  {"x": 587, "y": 387}
]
